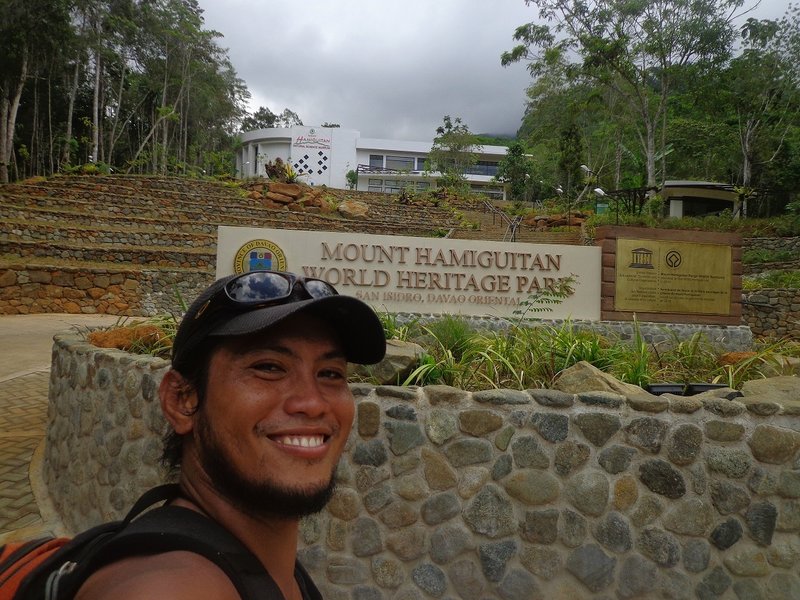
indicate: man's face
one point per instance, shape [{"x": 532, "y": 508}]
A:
[{"x": 275, "y": 419}]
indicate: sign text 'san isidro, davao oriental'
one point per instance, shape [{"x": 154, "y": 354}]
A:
[{"x": 422, "y": 275}]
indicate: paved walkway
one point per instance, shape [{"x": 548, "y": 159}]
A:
[{"x": 25, "y": 349}]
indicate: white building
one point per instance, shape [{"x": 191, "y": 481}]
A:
[{"x": 324, "y": 155}]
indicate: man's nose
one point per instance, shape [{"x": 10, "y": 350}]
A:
[{"x": 307, "y": 397}]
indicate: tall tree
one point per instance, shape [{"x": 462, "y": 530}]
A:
[
  {"x": 29, "y": 31},
  {"x": 516, "y": 169},
  {"x": 263, "y": 118},
  {"x": 453, "y": 152},
  {"x": 631, "y": 48},
  {"x": 288, "y": 118},
  {"x": 764, "y": 90}
]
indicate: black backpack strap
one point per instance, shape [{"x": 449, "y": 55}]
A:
[
  {"x": 163, "y": 529},
  {"x": 175, "y": 528},
  {"x": 161, "y": 493},
  {"x": 83, "y": 547}
]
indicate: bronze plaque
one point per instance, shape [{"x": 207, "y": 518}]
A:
[{"x": 673, "y": 277}]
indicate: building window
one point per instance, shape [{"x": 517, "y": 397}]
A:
[
  {"x": 483, "y": 167},
  {"x": 400, "y": 163},
  {"x": 376, "y": 160},
  {"x": 421, "y": 163},
  {"x": 378, "y": 182}
]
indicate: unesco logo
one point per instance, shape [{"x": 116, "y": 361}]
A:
[{"x": 673, "y": 259}]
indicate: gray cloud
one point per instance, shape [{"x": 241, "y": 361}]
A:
[{"x": 389, "y": 70}]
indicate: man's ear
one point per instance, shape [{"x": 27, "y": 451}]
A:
[{"x": 178, "y": 401}]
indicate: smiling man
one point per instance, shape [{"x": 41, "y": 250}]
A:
[{"x": 260, "y": 411}]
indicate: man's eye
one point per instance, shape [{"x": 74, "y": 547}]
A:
[
  {"x": 267, "y": 367},
  {"x": 332, "y": 374}
]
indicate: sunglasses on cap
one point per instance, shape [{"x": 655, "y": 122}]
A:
[{"x": 262, "y": 288}]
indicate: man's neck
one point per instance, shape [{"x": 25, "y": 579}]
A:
[{"x": 273, "y": 541}]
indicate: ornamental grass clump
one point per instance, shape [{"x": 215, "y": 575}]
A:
[{"x": 533, "y": 356}]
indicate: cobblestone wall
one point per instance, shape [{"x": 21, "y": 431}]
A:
[
  {"x": 772, "y": 243},
  {"x": 497, "y": 494},
  {"x": 773, "y": 313},
  {"x": 26, "y": 289}
]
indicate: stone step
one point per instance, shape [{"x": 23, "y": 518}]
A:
[
  {"x": 130, "y": 186},
  {"x": 11, "y": 217},
  {"x": 197, "y": 258},
  {"x": 236, "y": 215},
  {"x": 49, "y": 233},
  {"x": 141, "y": 200}
]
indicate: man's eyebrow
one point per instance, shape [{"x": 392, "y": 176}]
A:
[{"x": 286, "y": 351}]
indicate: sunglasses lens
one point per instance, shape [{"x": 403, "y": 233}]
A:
[
  {"x": 259, "y": 287},
  {"x": 317, "y": 288}
]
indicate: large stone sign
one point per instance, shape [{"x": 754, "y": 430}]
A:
[{"x": 423, "y": 275}]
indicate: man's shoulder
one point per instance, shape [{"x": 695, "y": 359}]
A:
[{"x": 172, "y": 576}]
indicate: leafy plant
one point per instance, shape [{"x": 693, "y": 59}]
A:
[
  {"x": 752, "y": 367},
  {"x": 684, "y": 361},
  {"x": 542, "y": 299},
  {"x": 289, "y": 174},
  {"x": 766, "y": 255},
  {"x": 772, "y": 279},
  {"x": 633, "y": 365},
  {"x": 393, "y": 329},
  {"x": 352, "y": 179},
  {"x": 157, "y": 345},
  {"x": 276, "y": 170},
  {"x": 453, "y": 334}
]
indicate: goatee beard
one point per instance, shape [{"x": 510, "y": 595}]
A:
[{"x": 260, "y": 499}]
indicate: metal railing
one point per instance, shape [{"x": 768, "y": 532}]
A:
[{"x": 512, "y": 225}]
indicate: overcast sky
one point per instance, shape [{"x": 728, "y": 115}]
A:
[{"x": 386, "y": 69}]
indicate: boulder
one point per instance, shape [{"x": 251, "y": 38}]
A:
[
  {"x": 352, "y": 209},
  {"x": 279, "y": 198},
  {"x": 785, "y": 390},
  {"x": 584, "y": 377},
  {"x": 293, "y": 190},
  {"x": 401, "y": 358}
]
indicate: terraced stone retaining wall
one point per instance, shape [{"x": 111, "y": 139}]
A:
[
  {"x": 773, "y": 312},
  {"x": 772, "y": 243},
  {"x": 26, "y": 288},
  {"x": 498, "y": 494}
]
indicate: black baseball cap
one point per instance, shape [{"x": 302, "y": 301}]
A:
[{"x": 245, "y": 303}]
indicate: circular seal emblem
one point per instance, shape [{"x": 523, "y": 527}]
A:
[
  {"x": 673, "y": 259},
  {"x": 256, "y": 255}
]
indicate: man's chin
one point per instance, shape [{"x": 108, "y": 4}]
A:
[{"x": 268, "y": 499}]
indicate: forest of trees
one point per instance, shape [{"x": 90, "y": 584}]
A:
[
  {"x": 642, "y": 92},
  {"x": 130, "y": 85}
]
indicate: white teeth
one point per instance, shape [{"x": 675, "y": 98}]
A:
[{"x": 302, "y": 441}]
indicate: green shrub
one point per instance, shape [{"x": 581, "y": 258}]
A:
[
  {"x": 772, "y": 279},
  {"x": 764, "y": 255}
]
